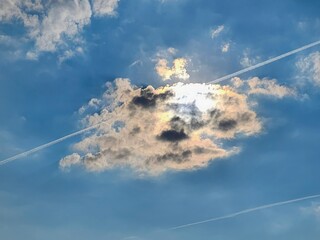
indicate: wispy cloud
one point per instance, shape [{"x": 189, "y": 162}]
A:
[
  {"x": 104, "y": 7},
  {"x": 55, "y": 25},
  {"x": 309, "y": 68},
  {"x": 264, "y": 86},
  {"x": 247, "y": 60},
  {"x": 216, "y": 31}
]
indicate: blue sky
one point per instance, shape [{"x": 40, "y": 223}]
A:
[{"x": 56, "y": 56}]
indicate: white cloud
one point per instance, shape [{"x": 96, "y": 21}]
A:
[
  {"x": 55, "y": 25},
  {"x": 104, "y": 7},
  {"x": 70, "y": 160},
  {"x": 10, "y": 9},
  {"x": 177, "y": 127},
  {"x": 309, "y": 68},
  {"x": 64, "y": 20},
  {"x": 21, "y": 10},
  {"x": 69, "y": 54},
  {"x": 313, "y": 209},
  {"x": 247, "y": 60},
  {"x": 264, "y": 86},
  {"x": 178, "y": 69},
  {"x": 93, "y": 104},
  {"x": 172, "y": 50},
  {"x": 216, "y": 31},
  {"x": 225, "y": 47}
]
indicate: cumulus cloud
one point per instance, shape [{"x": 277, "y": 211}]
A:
[
  {"x": 264, "y": 86},
  {"x": 54, "y": 25},
  {"x": 104, "y": 7},
  {"x": 70, "y": 160},
  {"x": 174, "y": 127},
  {"x": 64, "y": 20},
  {"x": 309, "y": 68},
  {"x": 170, "y": 67},
  {"x": 21, "y": 10},
  {"x": 178, "y": 69},
  {"x": 216, "y": 31}
]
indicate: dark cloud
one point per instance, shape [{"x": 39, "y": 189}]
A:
[
  {"x": 176, "y": 157},
  {"x": 144, "y": 102},
  {"x": 227, "y": 124},
  {"x": 173, "y": 135},
  {"x": 135, "y": 131},
  {"x": 148, "y": 98}
]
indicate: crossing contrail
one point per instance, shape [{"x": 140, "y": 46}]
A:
[
  {"x": 26, "y": 153},
  {"x": 271, "y": 60},
  {"x": 249, "y": 210}
]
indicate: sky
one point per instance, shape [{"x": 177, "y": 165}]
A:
[{"x": 166, "y": 146}]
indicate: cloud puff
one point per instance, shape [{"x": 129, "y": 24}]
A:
[
  {"x": 70, "y": 160},
  {"x": 175, "y": 127},
  {"x": 216, "y": 31},
  {"x": 64, "y": 20},
  {"x": 264, "y": 86},
  {"x": 104, "y": 7},
  {"x": 225, "y": 47},
  {"x": 21, "y": 10},
  {"x": 247, "y": 60},
  {"x": 178, "y": 69},
  {"x": 55, "y": 25},
  {"x": 310, "y": 68},
  {"x": 313, "y": 209}
]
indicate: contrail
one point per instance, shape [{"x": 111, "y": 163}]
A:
[
  {"x": 271, "y": 60},
  {"x": 24, "y": 154},
  {"x": 232, "y": 215}
]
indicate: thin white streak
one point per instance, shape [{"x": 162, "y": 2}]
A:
[
  {"x": 232, "y": 215},
  {"x": 26, "y": 153},
  {"x": 271, "y": 60}
]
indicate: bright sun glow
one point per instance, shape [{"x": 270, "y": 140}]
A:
[{"x": 194, "y": 93}]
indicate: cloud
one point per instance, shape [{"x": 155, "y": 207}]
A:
[
  {"x": 104, "y": 7},
  {"x": 70, "y": 160},
  {"x": 21, "y": 10},
  {"x": 247, "y": 60},
  {"x": 216, "y": 31},
  {"x": 264, "y": 86},
  {"x": 309, "y": 68},
  {"x": 174, "y": 127},
  {"x": 178, "y": 69},
  {"x": 225, "y": 47},
  {"x": 55, "y": 25},
  {"x": 64, "y": 20},
  {"x": 313, "y": 209}
]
